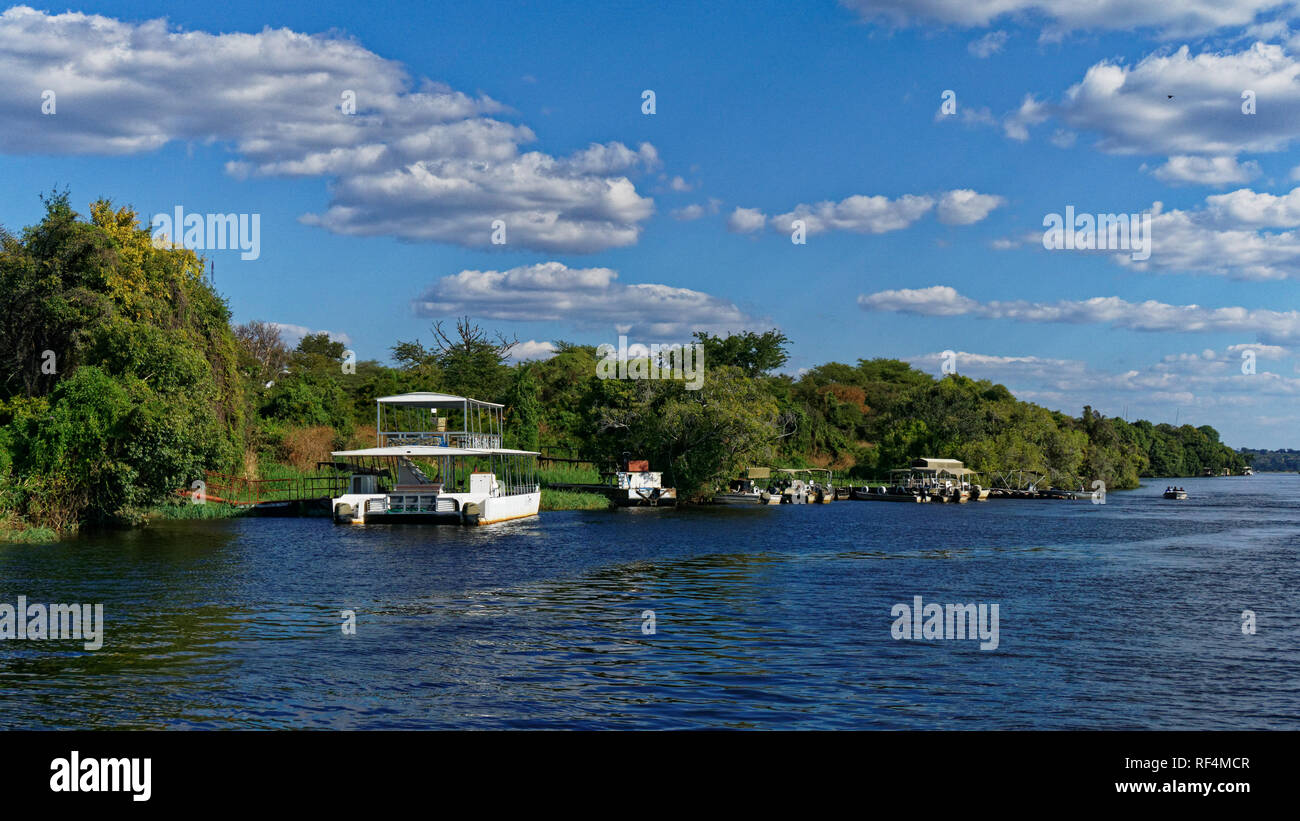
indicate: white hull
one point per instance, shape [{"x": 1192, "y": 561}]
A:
[{"x": 451, "y": 508}]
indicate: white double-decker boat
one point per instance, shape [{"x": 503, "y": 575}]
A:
[{"x": 439, "y": 458}]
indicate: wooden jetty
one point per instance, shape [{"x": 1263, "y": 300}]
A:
[{"x": 293, "y": 496}]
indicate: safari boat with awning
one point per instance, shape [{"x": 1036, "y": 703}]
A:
[{"x": 439, "y": 458}]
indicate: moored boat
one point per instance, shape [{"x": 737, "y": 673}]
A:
[
  {"x": 795, "y": 492},
  {"x": 946, "y": 480},
  {"x": 750, "y": 491},
  {"x": 894, "y": 493},
  {"x": 634, "y": 484},
  {"x": 801, "y": 488},
  {"x": 430, "y": 468}
]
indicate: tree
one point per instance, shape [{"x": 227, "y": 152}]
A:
[
  {"x": 262, "y": 352},
  {"x": 698, "y": 439},
  {"x": 754, "y": 354},
  {"x": 469, "y": 363},
  {"x": 143, "y": 393},
  {"x": 523, "y": 409},
  {"x": 320, "y": 345}
]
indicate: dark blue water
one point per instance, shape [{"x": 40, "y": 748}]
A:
[{"x": 1123, "y": 615}]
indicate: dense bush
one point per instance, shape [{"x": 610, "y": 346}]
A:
[{"x": 120, "y": 380}]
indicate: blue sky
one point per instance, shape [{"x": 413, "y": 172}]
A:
[{"x": 924, "y": 228}]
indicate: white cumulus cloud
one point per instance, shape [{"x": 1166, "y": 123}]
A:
[
  {"x": 1168, "y": 18},
  {"x": 405, "y": 158},
  {"x": 1274, "y": 327},
  {"x": 1183, "y": 169},
  {"x": 584, "y": 297}
]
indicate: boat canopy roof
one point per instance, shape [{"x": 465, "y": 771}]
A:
[
  {"x": 947, "y": 471},
  {"x": 428, "y": 399},
  {"x": 432, "y": 450},
  {"x": 953, "y": 466}
]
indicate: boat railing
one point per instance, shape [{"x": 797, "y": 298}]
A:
[
  {"x": 237, "y": 490},
  {"x": 443, "y": 439}
]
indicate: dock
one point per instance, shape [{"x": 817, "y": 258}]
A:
[{"x": 295, "y": 496}]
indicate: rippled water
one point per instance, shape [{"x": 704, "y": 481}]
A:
[{"x": 1123, "y": 615}]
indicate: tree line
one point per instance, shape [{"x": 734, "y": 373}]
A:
[{"x": 122, "y": 379}]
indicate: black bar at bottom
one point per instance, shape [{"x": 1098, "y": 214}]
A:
[{"x": 925, "y": 770}]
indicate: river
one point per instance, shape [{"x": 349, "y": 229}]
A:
[{"x": 1123, "y": 615}]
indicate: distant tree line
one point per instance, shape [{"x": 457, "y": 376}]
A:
[
  {"x": 1285, "y": 460},
  {"x": 122, "y": 380}
]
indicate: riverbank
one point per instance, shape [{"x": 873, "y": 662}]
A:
[
  {"x": 27, "y": 535},
  {"x": 572, "y": 500},
  {"x": 186, "y": 509}
]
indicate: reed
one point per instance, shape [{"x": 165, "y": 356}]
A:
[{"x": 572, "y": 500}]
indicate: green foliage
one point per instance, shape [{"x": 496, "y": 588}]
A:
[
  {"x": 523, "y": 409},
  {"x": 468, "y": 364},
  {"x": 1285, "y": 459},
  {"x": 121, "y": 380},
  {"x": 320, "y": 346},
  {"x": 697, "y": 438},
  {"x": 563, "y": 383},
  {"x": 572, "y": 500},
  {"x": 309, "y": 398},
  {"x": 568, "y": 473},
  {"x": 185, "y": 509},
  {"x": 119, "y": 376},
  {"x": 754, "y": 354}
]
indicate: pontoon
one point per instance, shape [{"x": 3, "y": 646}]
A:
[
  {"x": 438, "y": 458},
  {"x": 927, "y": 480}
]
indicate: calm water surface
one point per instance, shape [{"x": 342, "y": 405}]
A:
[{"x": 1123, "y": 615}]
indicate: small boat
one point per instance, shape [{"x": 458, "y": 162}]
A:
[
  {"x": 757, "y": 499},
  {"x": 1059, "y": 493},
  {"x": 943, "y": 480},
  {"x": 894, "y": 493},
  {"x": 1175, "y": 493},
  {"x": 820, "y": 494},
  {"x": 749, "y": 491},
  {"x": 799, "y": 487},
  {"x": 795, "y": 493}
]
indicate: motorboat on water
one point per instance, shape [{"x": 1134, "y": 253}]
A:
[
  {"x": 802, "y": 486},
  {"x": 750, "y": 491},
  {"x": 1175, "y": 493},
  {"x": 927, "y": 480},
  {"x": 892, "y": 493},
  {"x": 438, "y": 458}
]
